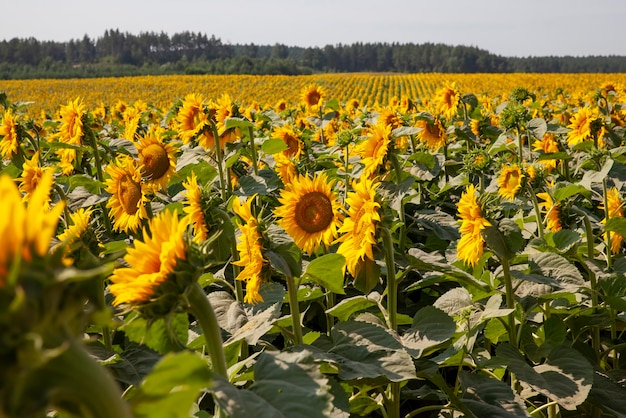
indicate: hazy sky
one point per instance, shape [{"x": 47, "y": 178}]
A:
[{"x": 505, "y": 27}]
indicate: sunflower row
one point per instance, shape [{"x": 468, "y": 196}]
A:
[{"x": 142, "y": 201}]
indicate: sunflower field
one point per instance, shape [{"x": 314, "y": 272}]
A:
[{"x": 313, "y": 246}]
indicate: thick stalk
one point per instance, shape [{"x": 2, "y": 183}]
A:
[
  {"x": 201, "y": 308},
  {"x": 292, "y": 290},
  {"x": 330, "y": 320},
  {"x": 255, "y": 164},
  {"x": 100, "y": 175},
  {"x": 510, "y": 300},
  {"x": 220, "y": 158},
  {"x": 75, "y": 378},
  {"x": 533, "y": 197}
]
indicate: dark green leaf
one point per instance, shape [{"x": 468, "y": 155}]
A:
[
  {"x": 617, "y": 225},
  {"x": 505, "y": 238},
  {"x": 344, "y": 309},
  {"x": 562, "y": 193},
  {"x": 172, "y": 387},
  {"x": 169, "y": 333},
  {"x": 431, "y": 327},
  {"x": 273, "y": 146},
  {"x": 608, "y": 394},
  {"x": 488, "y": 397},
  {"x": 327, "y": 271}
]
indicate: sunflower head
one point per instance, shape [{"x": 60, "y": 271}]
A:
[
  {"x": 157, "y": 160},
  {"x": 9, "y": 135},
  {"x": 471, "y": 244},
  {"x": 73, "y": 127},
  {"x": 432, "y": 133},
  {"x": 193, "y": 119},
  {"x": 312, "y": 96},
  {"x": 614, "y": 209},
  {"x": 127, "y": 202},
  {"x": 583, "y": 125},
  {"x": 510, "y": 181},
  {"x": 373, "y": 150},
  {"x": 309, "y": 212},
  {"x": 288, "y": 135},
  {"x": 447, "y": 100}
]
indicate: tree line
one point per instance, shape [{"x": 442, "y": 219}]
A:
[{"x": 121, "y": 53}]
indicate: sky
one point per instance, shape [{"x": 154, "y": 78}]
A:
[{"x": 511, "y": 28}]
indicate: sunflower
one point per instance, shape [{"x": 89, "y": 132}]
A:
[
  {"x": 71, "y": 132},
  {"x": 359, "y": 228},
  {"x": 510, "y": 181},
  {"x": 309, "y": 212},
  {"x": 470, "y": 246},
  {"x": 433, "y": 134},
  {"x": 157, "y": 159},
  {"x": 551, "y": 209},
  {"x": 31, "y": 175},
  {"x": 389, "y": 117},
  {"x": 127, "y": 202},
  {"x": 548, "y": 144},
  {"x": 152, "y": 262},
  {"x": 79, "y": 223},
  {"x": 131, "y": 118},
  {"x": 26, "y": 231},
  {"x": 447, "y": 100},
  {"x": 280, "y": 106},
  {"x": 250, "y": 251},
  {"x": 193, "y": 121},
  {"x": 225, "y": 108},
  {"x": 615, "y": 210},
  {"x": 9, "y": 142},
  {"x": 193, "y": 208},
  {"x": 374, "y": 149},
  {"x": 312, "y": 96},
  {"x": 580, "y": 125},
  {"x": 284, "y": 167},
  {"x": 294, "y": 144}
]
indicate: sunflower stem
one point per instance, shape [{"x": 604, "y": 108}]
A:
[
  {"x": 255, "y": 164},
  {"x": 96, "y": 157},
  {"x": 292, "y": 290},
  {"x": 330, "y": 320},
  {"x": 201, "y": 308},
  {"x": 75, "y": 378},
  {"x": 533, "y": 197},
  {"x": 392, "y": 284},
  {"x": 220, "y": 157},
  {"x": 510, "y": 299}
]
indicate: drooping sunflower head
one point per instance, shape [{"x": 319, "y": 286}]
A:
[
  {"x": 193, "y": 118},
  {"x": 389, "y": 117},
  {"x": 510, "y": 181},
  {"x": 157, "y": 159},
  {"x": 432, "y": 133},
  {"x": 127, "y": 202},
  {"x": 194, "y": 208},
  {"x": 250, "y": 250},
  {"x": 284, "y": 167},
  {"x": 615, "y": 209},
  {"x": 151, "y": 281},
  {"x": 581, "y": 125},
  {"x": 225, "y": 107},
  {"x": 313, "y": 95},
  {"x": 471, "y": 244},
  {"x": 358, "y": 231},
  {"x": 31, "y": 175},
  {"x": 9, "y": 137},
  {"x": 288, "y": 135},
  {"x": 72, "y": 128},
  {"x": 551, "y": 209},
  {"x": 309, "y": 212},
  {"x": 26, "y": 231},
  {"x": 373, "y": 150},
  {"x": 131, "y": 119},
  {"x": 447, "y": 100}
]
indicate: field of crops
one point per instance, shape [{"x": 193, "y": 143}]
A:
[{"x": 422, "y": 245}]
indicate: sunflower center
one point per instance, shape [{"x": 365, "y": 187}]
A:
[
  {"x": 314, "y": 212},
  {"x": 155, "y": 161},
  {"x": 313, "y": 98},
  {"x": 129, "y": 192}
]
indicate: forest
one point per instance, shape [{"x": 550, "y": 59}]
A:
[{"x": 118, "y": 53}]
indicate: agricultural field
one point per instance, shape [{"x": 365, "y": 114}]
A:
[{"x": 340, "y": 245}]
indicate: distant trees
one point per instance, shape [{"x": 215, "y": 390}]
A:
[{"x": 121, "y": 53}]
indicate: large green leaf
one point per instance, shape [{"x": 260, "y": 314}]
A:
[
  {"x": 454, "y": 301},
  {"x": 566, "y": 377},
  {"x": 344, "y": 309},
  {"x": 172, "y": 388},
  {"x": 292, "y": 384},
  {"x": 364, "y": 350},
  {"x": 169, "y": 333},
  {"x": 327, "y": 271},
  {"x": 608, "y": 394},
  {"x": 431, "y": 327},
  {"x": 504, "y": 239},
  {"x": 488, "y": 397},
  {"x": 617, "y": 225},
  {"x": 557, "y": 267}
]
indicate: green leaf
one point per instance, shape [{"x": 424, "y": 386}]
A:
[
  {"x": 344, "y": 309},
  {"x": 562, "y": 193},
  {"x": 241, "y": 123},
  {"x": 494, "y": 330},
  {"x": 538, "y": 127},
  {"x": 488, "y": 397},
  {"x": 273, "y": 146},
  {"x": 454, "y": 301},
  {"x": 562, "y": 240},
  {"x": 566, "y": 377},
  {"x": 364, "y": 350},
  {"x": 617, "y": 225},
  {"x": 431, "y": 328},
  {"x": 327, "y": 271},
  {"x": 130, "y": 366},
  {"x": 556, "y": 267},
  {"x": 555, "y": 156},
  {"x": 173, "y": 386},
  {"x": 608, "y": 394},
  {"x": 237, "y": 402},
  {"x": 292, "y": 384},
  {"x": 169, "y": 333},
  {"x": 505, "y": 238}
]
